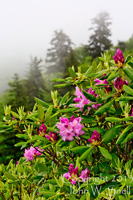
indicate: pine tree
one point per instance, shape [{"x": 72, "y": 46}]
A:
[
  {"x": 35, "y": 83},
  {"x": 17, "y": 96},
  {"x": 59, "y": 53},
  {"x": 99, "y": 40}
]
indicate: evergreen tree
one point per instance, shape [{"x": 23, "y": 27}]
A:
[
  {"x": 17, "y": 95},
  {"x": 99, "y": 40},
  {"x": 59, "y": 54},
  {"x": 34, "y": 82}
]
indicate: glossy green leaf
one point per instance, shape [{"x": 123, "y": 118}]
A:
[
  {"x": 15, "y": 114},
  {"x": 89, "y": 96},
  {"x": 23, "y": 136},
  {"x": 124, "y": 134},
  {"x": 67, "y": 110},
  {"x": 124, "y": 98},
  {"x": 113, "y": 75},
  {"x": 92, "y": 75},
  {"x": 104, "y": 108},
  {"x": 89, "y": 70},
  {"x": 129, "y": 137},
  {"x": 79, "y": 149},
  {"x": 72, "y": 72},
  {"x": 129, "y": 72},
  {"x": 105, "y": 153},
  {"x": 111, "y": 133},
  {"x": 128, "y": 90},
  {"x": 62, "y": 85},
  {"x": 114, "y": 119},
  {"x": 48, "y": 115},
  {"x": 39, "y": 101},
  {"x": 85, "y": 154},
  {"x": 64, "y": 99},
  {"x": 40, "y": 112},
  {"x": 130, "y": 63}
]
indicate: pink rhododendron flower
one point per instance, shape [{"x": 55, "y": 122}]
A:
[
  {"x": 84, "y": 174},
  {"x": 70, "y": 128},
  {"x": 98, "y": 82},
  {"x": 72, "y": 175},
  {"x": 119, "y": 58},
  {"x": 31, "y": 153},
  {"x": 51, "y": 137},
  {"x": 95, "y": 138},
  {"x": 118, "y": 83},
  {"x": 82, "y": 100},
  {"x": 42, "y": 130}
]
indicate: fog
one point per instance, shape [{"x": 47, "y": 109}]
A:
[{"x": 27, "y": 27}]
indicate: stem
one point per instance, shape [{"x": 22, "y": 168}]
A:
[{"x": 3, "y": 196}]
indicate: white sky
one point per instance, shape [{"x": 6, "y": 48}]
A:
[{"x": 27, "y": 26}]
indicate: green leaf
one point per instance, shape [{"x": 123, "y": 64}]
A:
[
  {"x": 128, "y": 58},
  {"x": 19, "y": 144},
  {"x": 105, "y": 153},
  {"x": 80, "y": 149},
  {"x": 48, "y": 115},
  {"x": 40, "y": 112},
  {"x": 129, "y": 137},
  {"x": 124, "y": 98},
  {"x": 88, "y": 71},
  {"x": 15, "y": 114},
  {"x": 67, "y": 110},
  {"x": 128, "y": 90},
  {"x": 129, "y": 72},
  {"x": 114, "y": 119},
  {"x": 113, "y": 75},
  {"x": 47, "y": 194},
  {"x": 89, "y": 96},
  {"x": 72, "y": 72},
  {"x": 39, "y": 101},
  {"x": 92, "y": 75},
  {"x": 130, "y": 63},
  {"x": 124, "y": 134},
  {"x": 85, "y": 154},
  {"x": 64, "y": 99},
  {"x": 111, "y": 133},
  {"x": 10, "y": 176},
  {"x": 87, "y": 119},
  {"x": 62, "y": 85},
  {"x": 104, "y": 108},
  {"x": 23, "y": 136}
]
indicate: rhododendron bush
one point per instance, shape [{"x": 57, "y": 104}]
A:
[{"x": 81, "y": 145}]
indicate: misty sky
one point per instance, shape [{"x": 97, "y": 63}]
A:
[{"x": 27, "y": 26}]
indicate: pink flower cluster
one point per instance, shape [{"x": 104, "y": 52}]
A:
[
  {"x": 51, "y": 137},
  {"x": 31, "y": 153},
  {"x": 42, "y": 130},
  {"x": 95, "y": 138},
  {"x": 73, "y": 177},
  {"x": 98, "y": 82},
  {"x": 119, "y": 57},
  {"x": 82, "y": 100},
  {"x": 70, "y": 128},
  {"x": 118, "y": 83}
]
